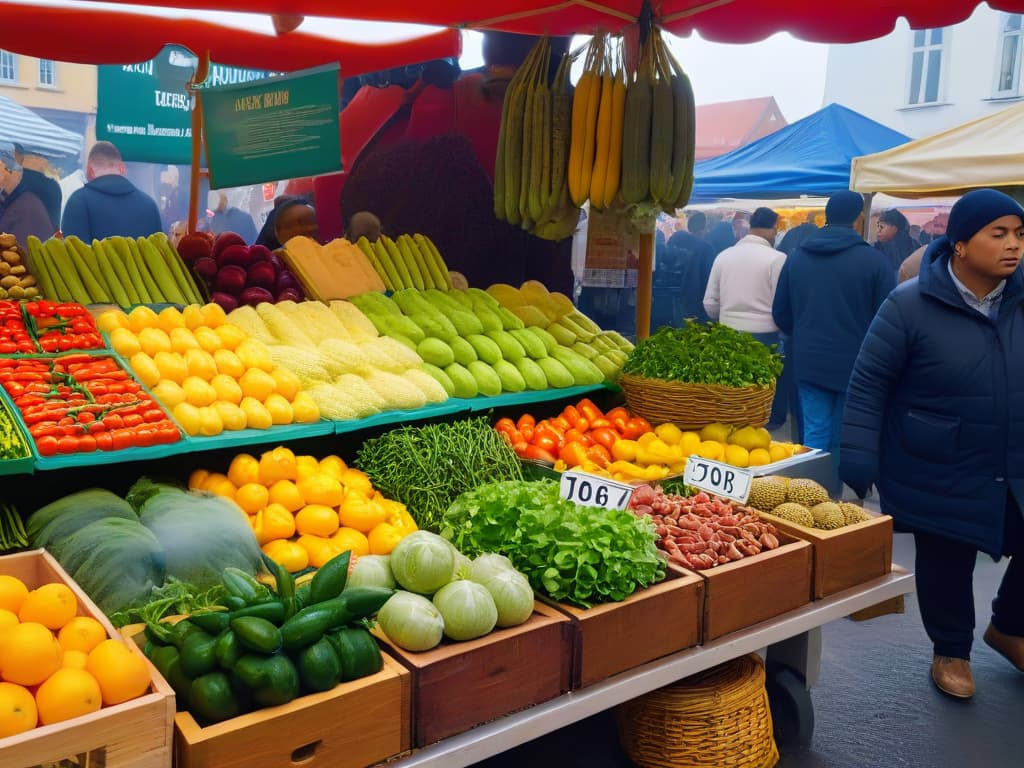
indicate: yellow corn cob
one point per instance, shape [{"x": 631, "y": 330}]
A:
[
  {"x": 603, "y": 140},
  {"x": 614, "y": 170}
]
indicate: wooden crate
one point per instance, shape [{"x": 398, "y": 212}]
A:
[
  {"x": 847, "y": 556},
  {"x": 651, "y": 623},
  {"x": 756, "y": 588},
  {"x": 355, "y": 724},
  {"x": 137, "y": 733},
  {"x": 457, "y": 686}
]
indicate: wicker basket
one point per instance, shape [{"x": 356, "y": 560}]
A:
[
  {"x": 692, "y": 406},
  {"x": 715, "y": 719}
]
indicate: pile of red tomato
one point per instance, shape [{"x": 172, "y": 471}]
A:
[
  {"x": 79, "y": 403},
  {"x": 46, "y": 326},
  {"x": 580, "y": 434}
]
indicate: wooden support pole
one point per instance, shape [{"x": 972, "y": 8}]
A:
[{"x": 202, "y": 68}]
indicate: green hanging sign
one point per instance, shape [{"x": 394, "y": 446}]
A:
[{"x": 285, "y": 127}]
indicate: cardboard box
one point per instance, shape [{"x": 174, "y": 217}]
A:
[
  {"x": 756, "y": 588},
  {"x": 613, "y": 637},
  {"x": 136, "y": 733},
  {"x": 459, "y": 685},
  {"x": 354, "y": 724},
  {"x": 844, "y": 557}
]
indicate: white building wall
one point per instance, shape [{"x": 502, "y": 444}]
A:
[{"x": 873, "y": 77}]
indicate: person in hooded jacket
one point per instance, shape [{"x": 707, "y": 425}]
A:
[
  {"x": 827, "y": 294},
  {"x": 935, "y": 418},
  {"x": 894, "y": 240},
  {"x": 109, "y": 204}
]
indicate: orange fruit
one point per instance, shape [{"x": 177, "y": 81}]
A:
[
  {"x": 333, "y": 465},
  {"x": 82, "y": 633},
  {"x": 219, "y": 485},
  {"x": 322, "y": 488},
  {"x": 244, "y": 468},
  {"x": 67, "y": 693},
  {"x": 349, "y": 539},
  {"x": 361, "y": 513},
  {"x": 29, "y": 654},
  {"x": 7, "y": 619},
  {"x": 197, "y": 479},
  {"x": 316, "y": 519},
  {"x": 383, "y": 538},
  {"x": 290, "y": 554},
  {"x": 74, "y": 660},
  {"x": 12, "y": 592},
  {"x": 122, "y": 675},
  {"x": 319, "y": 549},
  {"x": 354, "y": 480},
  {"x": 277, "y": 464},
  {"x": 252, "y": 497},
  {"x": 52, "y": 605},
  {"x": 273, "y": 522},
  {"x": 306, "y": 466},
  {"x": 257, "y": 383},
  {"x": 287, "y": 494},
  {"x": 17, "y": 710}
]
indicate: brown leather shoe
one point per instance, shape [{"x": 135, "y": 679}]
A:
[
  {"x": 953, "y": 676},
  {"x": 1009, "y": 646}
]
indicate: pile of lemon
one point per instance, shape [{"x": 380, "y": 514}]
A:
[
  {"x": 305, "y": 510},
  {"x": 739, "y": 446},
  {"x": 56, "y": 665},
  {"x": 208, "y": 373}
]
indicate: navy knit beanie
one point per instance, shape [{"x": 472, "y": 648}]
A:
[
  {"x": 978, "y": 209},
  {"x": 843, "y": 208}
]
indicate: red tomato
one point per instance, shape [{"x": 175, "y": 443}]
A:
[
  {"x": 546, "y": 443},
  {"x": 571, "y": 415},
  {"x": 635, "y": 427},
  {"x": 104, "y": 441},
  {"x": 588, "y": 410},
  {"x": 505, "y": 425},
  {"x": 526, "y": 420},
  {"x": 86, "y": 444},
  {"x": 573, "y": 454},
  {"x": 605, "y": 436},
  {"x": 536, "y": 452},
  {"x": 47, "y": 445}
]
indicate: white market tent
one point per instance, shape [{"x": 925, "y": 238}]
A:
[{"x": 986, "y": 152}]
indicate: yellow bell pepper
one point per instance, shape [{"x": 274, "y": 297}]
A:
[{"x": 669, "y": 433}]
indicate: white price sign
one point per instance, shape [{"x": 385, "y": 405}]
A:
[
  {"x": 718, "y": 478},
  {"x": 594, "y": 491}
]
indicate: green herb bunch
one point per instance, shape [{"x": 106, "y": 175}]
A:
[{"x": 705, "y": 353}]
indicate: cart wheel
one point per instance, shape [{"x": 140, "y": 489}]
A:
[{"x": 792, "y": 709}]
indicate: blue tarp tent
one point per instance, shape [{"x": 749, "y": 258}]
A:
[
  {"x": 809, "y": 157},
  {"x": 20, "y": 125}
]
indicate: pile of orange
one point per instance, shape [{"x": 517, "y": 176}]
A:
[
  {"x": 305, "y": 510},
  {"x": 55, "y": 664}
]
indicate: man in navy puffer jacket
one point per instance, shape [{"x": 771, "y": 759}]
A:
[
  {"x": 935, "y": 417},
  {"x": 828, "y": 292}
]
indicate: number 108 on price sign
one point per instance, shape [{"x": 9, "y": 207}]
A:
[
  {"x": 717, "y": 478},
  {"x": 593, "y": 491}
]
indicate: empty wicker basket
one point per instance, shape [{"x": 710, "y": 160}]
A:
[
  {"x": 716, "y": 719},
  {"x": 692, "y": 406}
]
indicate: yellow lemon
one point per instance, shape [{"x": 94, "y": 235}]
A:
[
  {"x": 170, "y": 318},
  {"x": 290, "y": 554},
  {"x": 232, "y": 417},
  {"x": 227, "y": 388},
  {"x": 254, "y": 354},
  {"x": 169, "y": 393},
  {"x": 193, "y": 316},
  {"x": 287, "y": 494},
  {"x": 333, "y": 465},
  {"x": 144, "y": 368},
  {"x": 383, "y": 538},
  {"x": 187, "y": 416},
  {"x": 321, "y": 488},
  {"x": 305, "y": 466},
  {"x": 228, "y": 363},
  {"x": 124, "y": 342},
  {"x": 737, "y": 455},
  {"x": 200, "y": 363},
  {"x": 778, "y": 452},
  {"x": 207, "y": 338},
  {"x": 279, "y": 408},
  {"x": 711, "y": 449},
  {"x": 198, "y": 478},
  {"x": 277, "y": 464},
  {"x": 219, "y": 485},
  {"x": 256, "y": 416},
  {"x": 716, "y": 432},
  {"x": 690, "y": 443},
  {"x": 361, "y": 513},
  {"x": 252, "y": 497},
  {"x": 319, "y": 549},
  {"x": 198, "y": 391},
  {"x": 273, "y": 522},
  {"x": 304, "y": 409},
  {"x": 669, "y": 433},
  {"x": 355, "y": 480},
  {"x": 349, "y": 539},
  {"x": 230, "y": 335},
  {"x": 182, "y": 340},
  {"x": 257, "y": 383},
  {"x": 287, "y": 384},
  {"x": 317, "y": 519},
  {"x": 142, "y": 317},
  {"x": 759, "y": 457},
  {"x": 172, "y": 366},
  {"x": 213, "y": 314},
  {"x": 244, "y": 468},
  {"x": 153, "y": 340},
  {"x": 111, "y": 319},
  {"x": 209, "y": 421}
]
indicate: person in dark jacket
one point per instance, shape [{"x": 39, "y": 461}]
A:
[
  {"x": 827, "y": 295},
  {"x": 894, "y": 240},
  {"x": 682, "y": 276},
  {"x": 720, "y": 237},
  {"x": 37, "y": 182},
  {"x": 935, "y": 418},
  {"x": 795, "y": 237},
  {"x": 109, "y": 204},
  {"x": 23, "y": 213},
  {"x": 229, "y": 218}
]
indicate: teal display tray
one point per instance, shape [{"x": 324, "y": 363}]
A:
[
  {"x": 240, "y": 438},
  {"x": 447, "y": 408},
  {"x": 478, "y": 404}
]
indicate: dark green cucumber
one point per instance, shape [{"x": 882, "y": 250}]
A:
[
  {"x": 257, "y": 634},
  {"x": 330, "y": 578}
]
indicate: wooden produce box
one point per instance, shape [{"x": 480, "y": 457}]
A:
[
  {"x": 457, "y": 686},
  {"x": 844, "y": 557},
  {"x": 613, "y": 637},
  {"x": 754, "y": 589},
  {"x": 355, "y": 724},
  {"x": 137, "y": 733}
]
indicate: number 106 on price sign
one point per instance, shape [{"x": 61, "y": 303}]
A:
[
  {"x": 717, "y": 478},
  {"x": 593, "y": 491}
]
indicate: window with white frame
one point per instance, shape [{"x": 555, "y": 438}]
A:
[
  {"x": 47, "y": 73},
  {"x": 926, "y": 66},
  {"x": 8, "y": 67},
  {"x": 1008, "y": 55}
]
